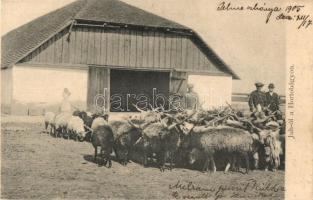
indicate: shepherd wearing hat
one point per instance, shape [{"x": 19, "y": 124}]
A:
[
  {"x": 272, "y": 98},
  {"x": 257, "y": 98}
]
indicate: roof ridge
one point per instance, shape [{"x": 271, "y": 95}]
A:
[{"x": 116, "y": 11}]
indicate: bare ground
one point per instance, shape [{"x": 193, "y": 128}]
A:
[{"x": 35, "y": 165}]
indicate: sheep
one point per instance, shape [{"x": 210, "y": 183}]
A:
[
  {"x": 103, "y": 136},
  {"x": 152, "y": 143},
  {"x": 272, "y": 147},
  {"x": 125, "y": 135},
  {"x": 224, "y": 139},
  {"x": 49, "y": 120},
  {"x": 61, "y": 121},
  {"x": 161, "y": 139},
  {"x": 76, "y": 128},
  {"x": 99, "y": 121},
  {"x": 88, "y": 119}
]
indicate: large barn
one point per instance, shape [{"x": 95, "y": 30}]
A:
[{"x": 111, "y": 48}]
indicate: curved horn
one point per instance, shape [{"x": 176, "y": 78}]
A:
[
  {"x": 88, "y": 128},
  {"x": 163, "y": 123},
  {"x": 134, "y": 125},
  {"x": 139, "y": 139},
  {"x": 172, "y": 126},
  {"x": 140, "y": 110}
]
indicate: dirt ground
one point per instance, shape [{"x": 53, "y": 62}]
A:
[{"x": 35, "y": 165}]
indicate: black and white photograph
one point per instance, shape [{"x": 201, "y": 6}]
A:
[{"x": 146, "y": 99}]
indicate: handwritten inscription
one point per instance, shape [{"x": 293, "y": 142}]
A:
[
  {"x": 249, "y": 189},
  {"x": 294, "y": 13}
]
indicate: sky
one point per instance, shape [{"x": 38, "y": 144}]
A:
[{"x": 254, "y": 50}]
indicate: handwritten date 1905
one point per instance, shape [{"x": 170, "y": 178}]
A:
[{"x": 287, "y": 13}]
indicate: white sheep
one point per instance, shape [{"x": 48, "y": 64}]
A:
[
  {"x": 75, "y": 127},
  {"x": 61, "y": 121},
  {"x": 99, "y": 121},
  {"x": 49, "y": 121}
]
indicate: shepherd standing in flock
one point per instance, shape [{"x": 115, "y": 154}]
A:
[{"x": 263, "y": 104}]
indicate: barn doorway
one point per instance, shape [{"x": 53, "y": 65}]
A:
[{"x": 141, "y": 88}]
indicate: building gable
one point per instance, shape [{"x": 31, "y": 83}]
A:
[{"x": 122, "y": 47}]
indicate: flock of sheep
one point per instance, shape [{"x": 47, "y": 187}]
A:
[{"x": 178, "y": 138}]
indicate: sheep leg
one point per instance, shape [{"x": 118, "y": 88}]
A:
[
  {"x": 213, "y": 164},
  {"x": 64, "y": 132},
  {"x": 68, "y": 134},
  {"x": 61, "y": 132},
  {"x": 171, "y": 161},
  {"x": 246, "y": 156},
  {"x": 205, "y": 166},
  {"x": 110, "y": 162},
  {"x": 162, "y": 158},
  {"x": 46, "y": 126},
  {"x": 104, "y": 157},
  {"x": 56, "y": 132},
  {"x": 237, "y": 163},
  {"x": 115, "y": 152},
  {"x": 126, "y": 158},
  {"x": 144, "y": 160},
  {"x": 227, "y": 167},
  {"x": 233, "y": 162},
  {"x": 256, "y": 160},
  {"x": 96, "y": 154}
]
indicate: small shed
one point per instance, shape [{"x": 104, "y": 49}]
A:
[{"x": 110, "y": 55}]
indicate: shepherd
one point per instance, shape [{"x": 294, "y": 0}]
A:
[
  {"x": 272, "y": 102},
  {"x": 257, "y": 98},
  {"x": 192, "y": 98},
  {"x": 66, "y": 106},
  {"x": 272, "y": 98}
]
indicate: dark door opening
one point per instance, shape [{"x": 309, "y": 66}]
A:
[{"x": 140, "y": 88}]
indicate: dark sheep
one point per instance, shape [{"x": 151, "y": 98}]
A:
[
  {"x": 161, "y": 139},
  {"x": 125, "y": 135},
  {"x": 103, "y": 137}
]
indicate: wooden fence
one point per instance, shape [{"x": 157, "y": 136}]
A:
[{"x": 243, "y": 97}]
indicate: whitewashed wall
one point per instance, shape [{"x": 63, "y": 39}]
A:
[
  {"x": 44, "y": 85},
  {"x": 213, "y": 91}
]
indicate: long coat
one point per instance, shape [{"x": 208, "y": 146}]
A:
[
  {"x": 256, "y": 98},
  {"x": 272, "y": 101}
]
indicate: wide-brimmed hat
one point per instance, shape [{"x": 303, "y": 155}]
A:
[
  {"x": 271, "y": 85},
  {"x": 259, "y": 84}
]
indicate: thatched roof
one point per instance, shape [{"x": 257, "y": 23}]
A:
[{"x": 19, "y": 42}]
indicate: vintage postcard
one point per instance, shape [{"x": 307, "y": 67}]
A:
[{"x": 166, "y": 99}]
